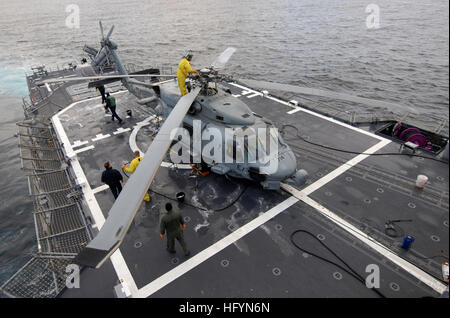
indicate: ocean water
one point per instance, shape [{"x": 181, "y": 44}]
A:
[{"x": 315, "y": 43}]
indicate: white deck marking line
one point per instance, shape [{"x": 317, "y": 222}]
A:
[
  {"x": 88, "y": 109},
  {"x": 100, "y": 188},
  {"x": 121, "y": 130},
  {"x": 134, "y": 146},
  {"x": 48, "y": 87},
  {"x": 254, "y": 95},
  {"x": 132, "y": 138},
  {"x": 79, "y": 143},
  {"x": 100, "y": 137},
  {"x": 335, "y": 121},
  {"x": 246, "y": 91},
  {"x": 117, "y": 260},
  {"x": 370, "y": 242},
  {"x": 236, "y": 95},
  {"x": 84, "y": 149},
  {"x": 86, "y": 100},
  {"x": 199, "y": 258},
  {"x": 344, "y": 167},
  {"x": 294, "y": 111}
]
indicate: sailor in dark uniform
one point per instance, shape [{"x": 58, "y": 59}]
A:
[
  {"x": 112, "y": 178},
  {"x": 172, "y": 222},
  {"x": 101, "y": 89}
]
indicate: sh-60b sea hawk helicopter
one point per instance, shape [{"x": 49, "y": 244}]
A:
[
  {"x": 246, "y": 145},
  {"x": 210, "y": 110},
  {"x": 213, "y": 112}
]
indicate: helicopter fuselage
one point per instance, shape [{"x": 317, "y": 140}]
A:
[{"x": 255, "y": 151}]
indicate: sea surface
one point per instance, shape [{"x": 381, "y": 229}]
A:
[{"x": 323, "y": 44}]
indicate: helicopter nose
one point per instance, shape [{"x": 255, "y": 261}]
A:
[{"x": 287, "y": 166}]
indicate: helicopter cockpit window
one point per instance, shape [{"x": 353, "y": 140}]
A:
[
  {"x": 251, "y": 146},
  {"x": 267, "y": 141},
  {"x": 230, "y": 148},
  {"x": 273, "y": 134},
  {"x": 234, "y": 150},
  {"x": 238, "y": 154}
]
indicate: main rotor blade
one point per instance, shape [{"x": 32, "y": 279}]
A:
[
  {"x": 109, "y": 33},
  {"x": 223, "y": 58},
  {"x": 73, "y": 79},
  {"x": 124, "y": 209},
  {"x": 325, "y": 93},
  {"x": 101, "y": 30},
  {"x": 150, "y": 84}
]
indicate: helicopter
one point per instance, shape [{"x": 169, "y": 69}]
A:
[
  {"x": 239, "y": 151},
  {"x": 244, "y": 144}
]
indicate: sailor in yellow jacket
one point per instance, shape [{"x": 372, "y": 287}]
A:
[
  {"x": 184, "y": 68},
  {"x": 133, "y": 165}
]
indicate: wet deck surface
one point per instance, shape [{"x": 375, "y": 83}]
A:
[{"x": 264, "y": 263}]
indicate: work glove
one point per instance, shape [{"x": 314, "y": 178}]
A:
[
  {"x": 123, "y": 166},
  {"x": 184, "y": 226},
  {"x": 161, "y": 235}
]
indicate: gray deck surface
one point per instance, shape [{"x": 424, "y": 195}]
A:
[{"x": 264, "y": 263}]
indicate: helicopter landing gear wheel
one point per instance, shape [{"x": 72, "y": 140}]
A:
[{"x": 192, "y": 110}]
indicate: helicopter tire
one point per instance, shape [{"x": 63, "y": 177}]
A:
[{"x": 192, "y": 110}]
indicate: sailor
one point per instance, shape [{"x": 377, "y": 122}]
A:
[
  {"x": 184, "y": 68},
  {"x": 111, "y": 104},
  {"x": 112, "y": 178},
  {"x": 133, "y": 165},
  {"x": 172, "y": 222},
  {"x": 101, "y": 89}
]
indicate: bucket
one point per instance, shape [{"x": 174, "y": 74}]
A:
[
  {"x": 421, "y": 181},
  {"x": 407, "y": 241},
  {"x": 180, "y": 196}
]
